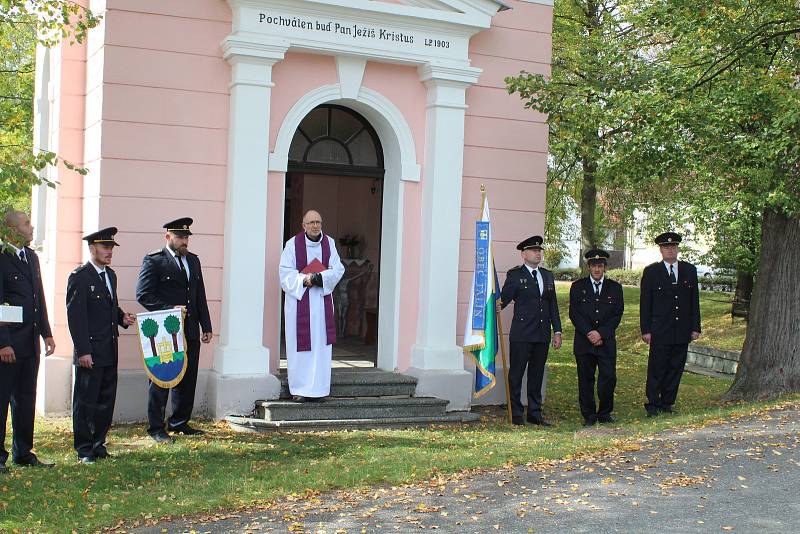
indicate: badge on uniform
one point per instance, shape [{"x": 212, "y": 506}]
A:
[{"x": 91, "y": 288}]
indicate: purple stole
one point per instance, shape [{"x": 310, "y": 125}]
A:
[{"x": 304, "y": 307}]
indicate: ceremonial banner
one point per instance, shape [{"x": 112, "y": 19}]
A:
[
  {"x": 162, "y": 345},
  {"x": 480, "y": 333}
]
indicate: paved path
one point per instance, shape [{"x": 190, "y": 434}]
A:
[{"x": 741, "y": 476}]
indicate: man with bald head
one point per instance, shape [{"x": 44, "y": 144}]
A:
[
  {"x": 309, "y": 271},
  {"x": 21, "y": 285}
]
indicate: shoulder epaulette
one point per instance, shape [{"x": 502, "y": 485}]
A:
[{"x": 154, "y": 252}]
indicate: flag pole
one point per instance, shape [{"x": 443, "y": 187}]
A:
[
  {"x": 500, "y": 331},
  {"x": 505, "y": 362}
]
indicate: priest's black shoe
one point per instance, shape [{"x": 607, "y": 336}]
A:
[
  {"x": 188, "y": 430},
  {"x": 101, "y": 454},
  {"x": 86, "y": 460},
  {"x": 665, "y": 409},
  {"x": 517, "y": 420},
  {"x": 538, "y": 421},
  {"x": 162, "y": 437},
  {"x": 33, "y": 461},
  {"x": 652, "y": 413},
  {"x": 589, "y": 422},
  {"x": 606, "y": 419}
]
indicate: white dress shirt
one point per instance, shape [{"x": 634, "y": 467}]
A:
[
  {"x": 536, "y": 274},
  {"x": 179, "y": 259},
  {"x": 105, "y": 276},
  {"x": 594, "y": 285},
  {"x": 674, "y": 268}
]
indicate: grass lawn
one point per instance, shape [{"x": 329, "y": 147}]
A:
[{"x": 223, "y": 469}]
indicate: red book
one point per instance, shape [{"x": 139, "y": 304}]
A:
[{"x": 315, "y": 266}]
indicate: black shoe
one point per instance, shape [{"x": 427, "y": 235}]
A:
[
  {"x": 186, "y": 430},
  {"x": 86, "y": 460},
  {"x": 162, "y": 437},
  {"x": 299, "y": 398},
  {"x": 33, "y": 461},
  {"x": 517, "y": 420},
  {"x": 652, "y": 413},
  {"x": 3, "y": 469},
  {"x": 102, "y": 454},
  {"x": 538, "y": 421},
  {"x": 606, "y": 419},
  {"x": 589, "y": 422},
  {"x": 665, "y": 409}
]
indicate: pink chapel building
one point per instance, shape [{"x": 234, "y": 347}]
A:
[{"x": 385, "y": 116}]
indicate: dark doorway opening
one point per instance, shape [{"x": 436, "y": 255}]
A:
[{"x": 336, "y": 167}]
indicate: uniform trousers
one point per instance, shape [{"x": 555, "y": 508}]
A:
[
  {"x": 606, "y": 367},
  {"x": 182, "y": 395},
  {"x": 533, "y": 356},
  {"x": 18, "y": 388},
  {"x": 665, "y": 365},
  {"x": 93, "y": 399}
]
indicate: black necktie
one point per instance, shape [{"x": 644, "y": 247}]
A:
[
  {"x": 536, "y": 281},
  {"x": 105, "y": 283},
  {"x": 183, "y": 269},
  {"x": 597, "y": 288},
  {"x": 672, "y": 275},
  {"x": 22, "y": 256}
]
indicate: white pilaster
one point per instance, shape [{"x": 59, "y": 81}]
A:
[
  {"x": 241, "y": 371},
  {"x": 437, "y": 362}
]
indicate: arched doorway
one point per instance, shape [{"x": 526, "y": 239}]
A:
[{"x": 336, "y": 167}]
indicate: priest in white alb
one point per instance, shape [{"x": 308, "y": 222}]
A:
[{"x": 310, "y": 269}]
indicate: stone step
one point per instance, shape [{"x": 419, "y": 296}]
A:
[
  {"x": 362, "y": 383},
  {"x": 252, "y": 424},
  {"x": 350, "y": 408}
]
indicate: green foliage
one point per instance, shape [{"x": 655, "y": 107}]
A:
[
  {"x": 23, "y": 24},
  {"x": 626, "y": 277},
  {"x": 595, "y": 68},
  {"x": 718, "y": 138},
  {"x": 566, "y": 275},
  {"x": 149, "y": 328},
  {"x": 172, "y": 324}
]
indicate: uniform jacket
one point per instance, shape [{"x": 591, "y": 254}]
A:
[
  {"x": 162, "y": 285},
  {"x": 21, "y": 285},
  {"x": 93, "y": 315},
  {"x": 589, "y": 312},
  {"x": 669, "y": 313},
  {"x": 534, "y": 314}
]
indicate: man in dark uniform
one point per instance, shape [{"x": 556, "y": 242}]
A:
[
  {"x": 21, "y": 285},
  {"x": 172, "y": 277},
  {"x": 533, "y": 290},
  {"x": 93, "y": 316},
  {"x": 595, "y": 308},
  {"x": 669, "y": 317}
]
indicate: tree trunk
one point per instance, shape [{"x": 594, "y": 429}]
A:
[
  {"x": 588, "y": 209},
  {"x": 153, "y": 346},
  {"x": 770, "y": 361},
  {"x": 744, "y": 292},
  {"x": 175, "y": 342}
]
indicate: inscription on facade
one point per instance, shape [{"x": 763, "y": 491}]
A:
[{"x": 358, "y": 32}]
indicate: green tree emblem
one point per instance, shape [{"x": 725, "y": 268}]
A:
[
  {"x": 173, "y": 326},
  {"x": 150, "y": 330}
]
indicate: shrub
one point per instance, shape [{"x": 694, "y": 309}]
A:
[
  {"x": 566, "y": 275},
  {"x": 718, "y": 283},
  {"x": 626, "y": 277}
]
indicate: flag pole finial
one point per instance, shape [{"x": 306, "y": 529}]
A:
[{"x": 483, "y": 188}]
